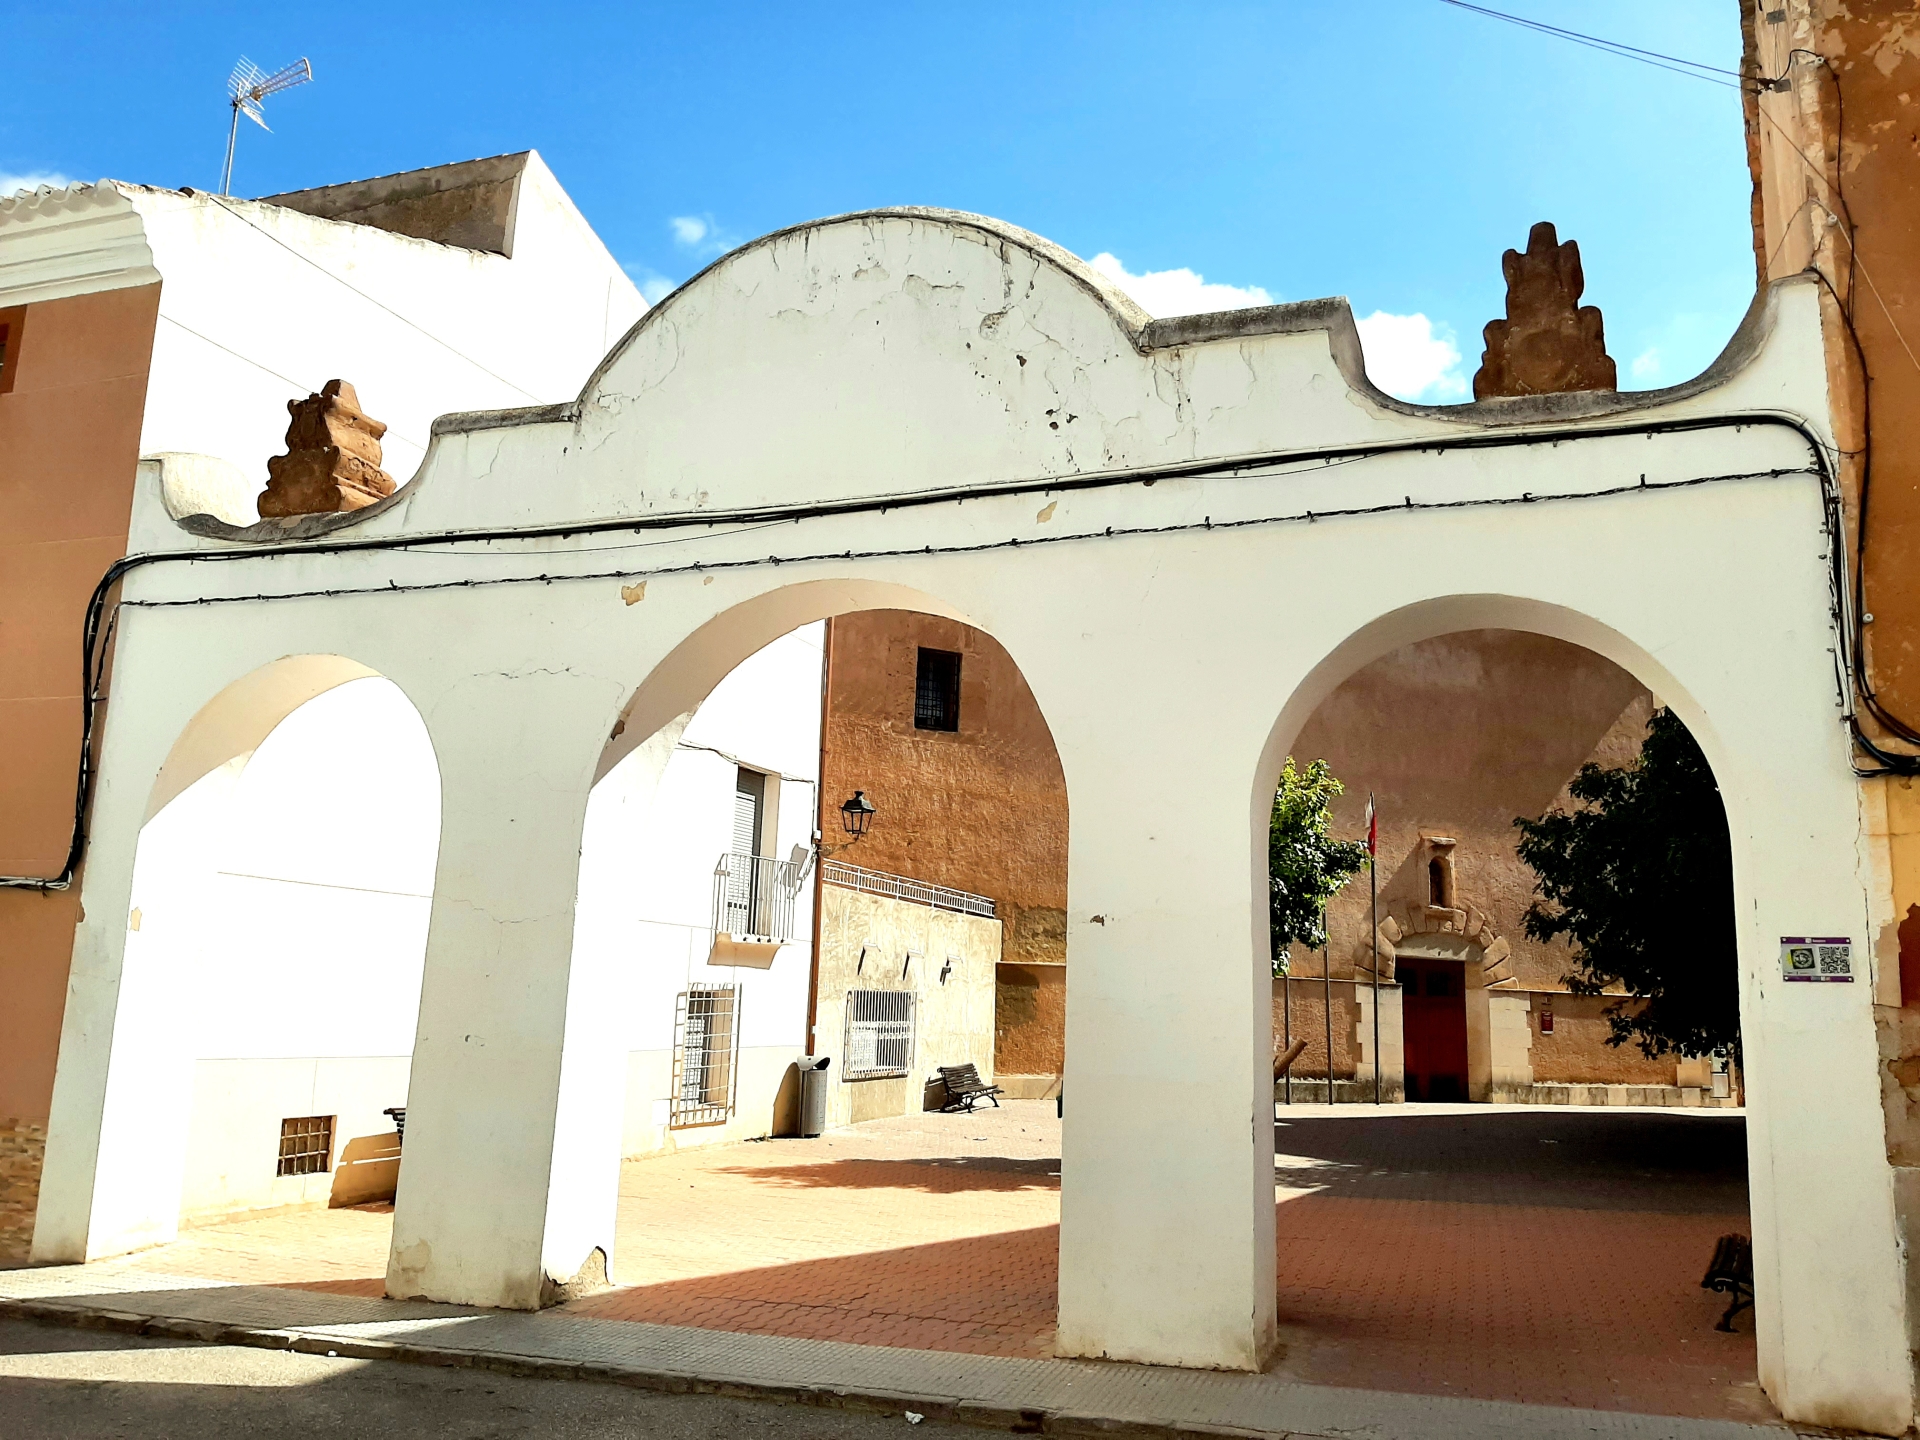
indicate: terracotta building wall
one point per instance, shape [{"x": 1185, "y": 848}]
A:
[
  {"x": 69, "y": 442},
  {"x": 70, "y": 416},
  {"x": 982, "y": 809},
  {"x": 1455, "y": 737}
]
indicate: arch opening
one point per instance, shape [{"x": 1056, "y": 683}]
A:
[
  {"x": 1509, "y": 1072},
  {"x": 281, "y": 888},
  {"x": 741, "y": 924}
]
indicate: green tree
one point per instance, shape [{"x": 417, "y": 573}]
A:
[
  {"x": 1306, "y": 866},
  {"x": 1640, "y": 882}
]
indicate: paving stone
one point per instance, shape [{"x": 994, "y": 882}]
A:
[{"x": 1538, "y": 1267}]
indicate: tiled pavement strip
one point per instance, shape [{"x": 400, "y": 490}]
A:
[
  {"x": 1051, "y": 1396},
  {"x": 1413, "y": 1283}
]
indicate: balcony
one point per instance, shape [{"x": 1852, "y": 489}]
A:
[{"x": 753, "y": 908}]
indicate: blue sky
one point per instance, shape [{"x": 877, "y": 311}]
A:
[{"x": 1387, "y": 150}]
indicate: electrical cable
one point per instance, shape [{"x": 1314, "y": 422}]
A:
[
  {"x": 371, "y": 300},
  {"x": 1694, "y": 70},
  {"x": 300, "y": 386},
  {"x": 94, "y": 646}
]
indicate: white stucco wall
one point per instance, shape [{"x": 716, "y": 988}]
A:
[
  {"x": 646, "y": 887},
  {"x": 286, "y": 896},
  {"x": 880, "y": 361},
  {"x": 260, "y": 305},
  {"x": 288, "y": 892}
]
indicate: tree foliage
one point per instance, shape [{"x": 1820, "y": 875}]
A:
[
  {"x": 1640, "y": 882},
  {"x": 1306, "y": 866}
]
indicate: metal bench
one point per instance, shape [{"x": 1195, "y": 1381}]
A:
[
  {"x": 399, "y": 1116},
  {"x": 1731, "y": 1273},
  {"x": 965, "y": 1088}
]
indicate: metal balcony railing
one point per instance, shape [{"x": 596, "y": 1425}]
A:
[
  {"x": 753, "y": 897},
  {"x": 878, "y": 882}
]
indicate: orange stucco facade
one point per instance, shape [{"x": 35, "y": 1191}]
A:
[
  {"x": 1455, "y": 737},
  {"x": 69, "y": 443},
  {"x": 70, "y": 418},
  {"x": 982, "y": 808}
]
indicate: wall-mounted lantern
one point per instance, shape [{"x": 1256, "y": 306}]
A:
[{"x": 857, "y": 814}]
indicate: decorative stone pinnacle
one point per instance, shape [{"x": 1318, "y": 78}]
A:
[
  {"x": 332, "y": 460},
  {"x": 1549, "y": 343}
]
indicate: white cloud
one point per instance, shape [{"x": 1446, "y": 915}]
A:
[
  {"x": 1411, "y": 359},
  {"x": 653, "y": 286},
  {"x": 31, "y": 180},
  {"x": 702, "y": 235},
  {"x": 1646, "y": 365},
  {"x": 1177, "y": 292}
]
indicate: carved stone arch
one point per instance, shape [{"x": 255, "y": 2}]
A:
[{"x": 1455, "y": 933}]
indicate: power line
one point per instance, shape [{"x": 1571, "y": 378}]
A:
[
  {"x": 1406, "y": 506},
  {"x": 299, "y": 386},
  {"x": 103, "y": 613},
  {"x": 371, "y": 300},
  {"x": 1692, "y": 69}
]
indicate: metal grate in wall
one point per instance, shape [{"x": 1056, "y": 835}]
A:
[
  {"x": 306, "y": 1145},
  {"x": 879, "y": 1034},
  {"x": 706, "y": 1037},
  {"x": 936, "y": 691}
]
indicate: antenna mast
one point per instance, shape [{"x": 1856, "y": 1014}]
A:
[{"x": 247, "y": 86}]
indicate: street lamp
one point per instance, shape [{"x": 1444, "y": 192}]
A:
[{"x": 857, "y": 814}]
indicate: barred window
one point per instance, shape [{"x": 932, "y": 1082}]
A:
[
  {"x": 306, "y": 1145},
  {"x": 936, "y": 694},
  {"x": 705, "y": 1039},
  {"x": 879, "y": 1033}
]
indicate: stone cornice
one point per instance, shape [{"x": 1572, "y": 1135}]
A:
[{"x": 76, "y": 241}]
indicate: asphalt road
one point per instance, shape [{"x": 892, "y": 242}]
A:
[{"x": 81, "y": 1384}]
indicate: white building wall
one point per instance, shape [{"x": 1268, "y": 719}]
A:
[
  {"x": 288, "y": 893},
  {"x": 647, "y": 879},
  {"x": 291, "y": 889},
  {"x": 260, "y": 305}
]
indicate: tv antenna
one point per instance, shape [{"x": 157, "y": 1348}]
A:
[{"x": 247, "y": 86}]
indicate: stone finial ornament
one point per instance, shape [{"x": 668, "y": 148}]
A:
[
  {"x": 1549, "y": 343},
  {"x": 332, "y": 460}
]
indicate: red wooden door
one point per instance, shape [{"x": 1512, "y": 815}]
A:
[{"x": 1433, "y": 1000}]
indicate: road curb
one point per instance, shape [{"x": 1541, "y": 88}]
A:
[{"x": 982, "y": 1414}]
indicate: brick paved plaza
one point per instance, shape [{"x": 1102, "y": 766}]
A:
[{"x": 1507, "y": 1253}]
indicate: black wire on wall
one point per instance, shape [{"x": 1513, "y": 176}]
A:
[{"x": 102, "y": 612}]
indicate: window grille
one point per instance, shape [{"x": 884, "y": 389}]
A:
[
  {"x": 879, "y": 1033},
  {"x": 753, "y": 897},
  {"x": 706, "y": 1037},
  {"x": 936, "y": 694},
  {"x": 306, "y": 1145}
]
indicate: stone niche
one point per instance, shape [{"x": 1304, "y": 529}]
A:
[{"x": 333, "y": 457}]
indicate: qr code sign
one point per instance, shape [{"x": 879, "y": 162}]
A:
[{"x": 1816, "y": 958}]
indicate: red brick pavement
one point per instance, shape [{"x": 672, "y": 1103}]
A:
[{"x": 1473, "y": 1262}]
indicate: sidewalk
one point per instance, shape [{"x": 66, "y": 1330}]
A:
[{"x": 1026, "y": 1395}]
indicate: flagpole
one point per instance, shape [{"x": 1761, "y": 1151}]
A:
[
  {"x": 1373, "y": 940},
  {"x": 1326, "y": 1004}
]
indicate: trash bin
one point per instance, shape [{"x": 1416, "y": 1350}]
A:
[{"x": 813, "y": 1093}]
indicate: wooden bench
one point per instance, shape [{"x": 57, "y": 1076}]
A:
[
  {"x": 965, "y": 1088},
  {"x": 1731, "y": 1273}
]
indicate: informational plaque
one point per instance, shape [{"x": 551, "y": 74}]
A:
[{"x": 1816, "y": 958}]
